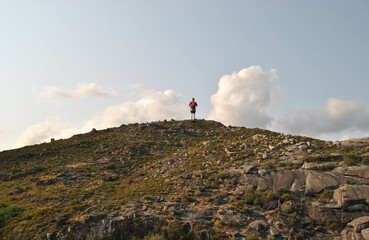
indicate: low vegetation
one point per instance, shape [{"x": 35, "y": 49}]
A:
[{"x": 48, "y": 187}]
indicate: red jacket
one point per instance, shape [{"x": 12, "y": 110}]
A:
[{"x": 193, "y": 104}]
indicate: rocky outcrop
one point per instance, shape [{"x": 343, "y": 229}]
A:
[{"x": 318, "y": 181}]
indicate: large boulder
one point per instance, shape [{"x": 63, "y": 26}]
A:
[
  {"x": 290, "y": 179},
  {"x": 317, "y": 181},
  {"x": 357, "y": 171},
  {"x": 350, "y": 195}
]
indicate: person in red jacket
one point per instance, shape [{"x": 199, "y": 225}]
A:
[{"x": 193, "y": 106}]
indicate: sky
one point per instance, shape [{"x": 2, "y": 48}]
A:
[{"x": 296, "y": 67}]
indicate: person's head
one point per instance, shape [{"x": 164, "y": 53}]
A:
[{"x": 193, "y": 99}]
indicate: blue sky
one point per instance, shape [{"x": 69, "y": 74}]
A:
[{"x": 68, "y": 66}]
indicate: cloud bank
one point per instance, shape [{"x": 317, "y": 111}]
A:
[
  {"x": 82, "y": 91},
  {"x": 151, "y": 106},
  {"x": 245, "y": 98},
  {"x": 335, "y": 116},
  {"x": 52, "y": 127}
]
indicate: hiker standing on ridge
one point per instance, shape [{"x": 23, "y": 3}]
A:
[{"x": 193, "y": 106}]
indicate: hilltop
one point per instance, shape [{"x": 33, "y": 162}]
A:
[{"x": 185, "y": 180}]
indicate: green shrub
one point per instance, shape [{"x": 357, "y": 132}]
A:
[
  {"x": 269, "y": 165},
  {"x": 231, "y": 207},
  {"x": 287, "y": 209},
  {"x": 157, "y": 237},
  {"x": 240, "y": 203},
  {"x": 8, "y": 214},
  {"x": 323, "y": 158},
  {"x": 249, "y": 196},
  {"x": 222, "y": 175},
  {"x": 351, "y": 159},
  {"x": 285, "y": 197},
  {"x": 253, "y": 237},
  {"x": 175, "y": 231},
  {"x": 234, "y": 181},
  {"x": 281, "y": 190},
  {"x": 326, "y": 195},
  {"x": 202, "y": 188},
  {"x": 112, "y": 166},
  {"x": 220, "y": 223}
]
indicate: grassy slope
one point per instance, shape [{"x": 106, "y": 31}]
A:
[{"x": 53, "y": 183}]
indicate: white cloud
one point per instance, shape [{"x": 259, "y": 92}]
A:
[
  {"x": 245, "y": 98},
  {"x": 52, "y": 127},
  {"x": 151, "y": 106},
  {"x": 82, "y": 91},
  {"x": 336, "y": 116}
]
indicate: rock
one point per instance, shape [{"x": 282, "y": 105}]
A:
[
  {"x": 50, "y": 236},
  {"x": 350, "y": 195},
  {"x": 360, "y": 171},
  {"x": 365, "y": 233},
  {"x": 310, "y": 166},
  {"x": 273, "y": 232},
  {"x": 262, "y": 172},
  {"x": 302, "y": 146},
  {"x": 346, "y": 234},
  {"x": 272, "y": 147},
  {"x": 258, "y": 225},
  {"x": 356, "y": 208},
  {"x": 318, "y": 181},
  {"x": 358, "y": 142},
  {"x": 359, "y": 223},
  {"x": 289, "y": 179},
  {"x": 248, "y": 168}
]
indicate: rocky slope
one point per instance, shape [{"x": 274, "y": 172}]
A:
[{"x": 185, "y": 180}]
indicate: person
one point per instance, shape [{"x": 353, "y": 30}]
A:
[{"x": 193, "y": 106}]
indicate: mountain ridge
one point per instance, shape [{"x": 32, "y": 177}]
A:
[{"x": 184, "y": 180}]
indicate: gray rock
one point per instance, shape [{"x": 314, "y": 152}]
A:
[
  {"x": 350, "y": 195},
  {"x": 356, "y": 208},
  {"x": 262, "y": 172},
  {"x": 318, "y": 181},
  {"x": 303, "y": 147},
  {"x": 365, "y": 233},
  {"x": 248, "y": 168},
  {"x": 258, "y": 225},
  {"x": 290, "y": 179},
  {"x": 310, "y": 166},
  {"x": 359, "y": 223}
]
